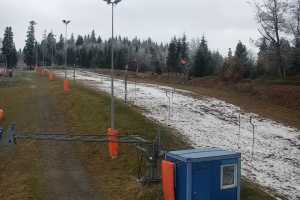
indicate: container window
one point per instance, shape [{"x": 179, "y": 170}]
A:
[{"x": 228, "y": 176}]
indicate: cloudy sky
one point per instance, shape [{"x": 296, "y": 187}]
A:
[{"x": 224, "y": 23}]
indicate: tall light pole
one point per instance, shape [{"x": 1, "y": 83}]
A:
[
  {"x": 66, "y": 22},
  {"x": 53, "y": 48},
  {"x": 112, "y": 3}
]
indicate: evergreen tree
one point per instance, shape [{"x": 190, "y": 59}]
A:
[
  {"x": 79, "y": 40},
  {"x": 51, "y": 48},
  {"x": 217, "y": 62},
  {"x": 172, "y": 59},
  {"x": 87, "y": 51},
  {"x": 202, "y": 61},
  {"x": 99, "y": 40},
  {"x": 242, "y": 57},
  {"x": 71, "y": 56},
  {"x": 184, "y": 48},
  {"x": 71, "y": 42},
  {"x": 60, "y": 52},
  {"x": 8, "y": 48},
  {"x": 93, "y": 37},
  {"x": 178, "y": 55},
  {"x": 241, "y": 53},
  {"x": 29, "y": 49},
  {"x": 44, "y": 49}
]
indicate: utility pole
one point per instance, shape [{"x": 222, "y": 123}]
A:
[
  {"x": 53, "y": 44},
  {"x": 66, "y": 22},
  {"x": 43, "y": 46},
  {"x": 112, "y": 3}
]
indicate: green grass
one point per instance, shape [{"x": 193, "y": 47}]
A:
[
  {"x": 86, "y": 106},
  {"x": 20, "y": 174},
  {"x": 87, "y": 111}
]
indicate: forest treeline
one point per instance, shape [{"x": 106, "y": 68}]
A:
[{"x": 278, "y": 57}]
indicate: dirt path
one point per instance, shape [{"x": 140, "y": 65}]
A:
[
  {"x": 41, "y": 170},
  {"x": 65, "y": 177}
]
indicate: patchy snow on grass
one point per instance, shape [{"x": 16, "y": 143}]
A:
[{"x": 273, "y": 160}]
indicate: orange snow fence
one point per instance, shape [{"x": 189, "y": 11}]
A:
[
  {"x": 66, "y": 86},
  {"x": 168, "y": 172},
  {"x": 113, "y": 145},
  {"x": 2, "y": 115}
]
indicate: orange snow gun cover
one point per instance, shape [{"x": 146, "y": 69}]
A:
[
  {"x": 113, "y": 145},
  {"x": 66, "y": 86},
  {"x": 168, "y": 169},
  {"x": 2, "y": 115},
  {"x": 51, "y": 76}
]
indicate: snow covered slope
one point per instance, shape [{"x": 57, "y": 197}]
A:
[{"x": 274, "y": 159}]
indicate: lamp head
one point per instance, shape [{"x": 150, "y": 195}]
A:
[
  {"x": 117, "y": 1},
  {"x": 112, "y": 2},
  {"x": 66, "y": 21},
  {"x": 108, "y": 1}
]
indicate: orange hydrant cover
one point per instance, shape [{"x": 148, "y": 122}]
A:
[
  {"x": 2, "y": 115},
  {"x": 168, "y": 173},
  {"x": 113, "y": 145}
]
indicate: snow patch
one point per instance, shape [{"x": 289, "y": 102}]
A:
[{"x": 209, "y": 122}]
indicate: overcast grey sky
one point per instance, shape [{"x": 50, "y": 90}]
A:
[{"x": 224, "y": 22}]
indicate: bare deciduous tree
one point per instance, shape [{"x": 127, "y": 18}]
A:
[
  {"x": 294, "y": 21},
  {"x": 271, "y": 17}
]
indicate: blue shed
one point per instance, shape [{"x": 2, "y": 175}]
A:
[{"x": 206, "y": 174}]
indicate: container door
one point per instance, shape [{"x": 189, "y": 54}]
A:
[{"x": 201, "y": 182}]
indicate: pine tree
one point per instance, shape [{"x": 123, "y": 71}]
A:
[
  {"x": 60, "y": 51},
  {"x": 184, "y": 48},
  {"x": 217, "y": 62},
  {"x": 93, "y": 37},
  {"x": 202, "y": 60},
  {"x": 44, "y": 49},
  {"x": 87, "y": 51},
  {"x": 172, "y": 59},
  {"x": 79, "y": 40},
  {"x": 29, "y": 49},
  {"x": 51, "y": 48},
  {"x": 99, "y": 40},
  {"x": 178, "y": 48},
  {"x": 8, "y": 48},
  {"x": 71, "y": 42},
  {"x": 241, "y": 53}
]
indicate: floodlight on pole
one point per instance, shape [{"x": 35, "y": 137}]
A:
[
  {"x": 66, "y": 22},
  {"x": 112, "y": 3}
]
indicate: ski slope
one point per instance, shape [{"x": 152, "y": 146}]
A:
[{"x": 273, "y": 160}]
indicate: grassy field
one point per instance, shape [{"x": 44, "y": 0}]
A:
[{"x": 81, "y": 111}]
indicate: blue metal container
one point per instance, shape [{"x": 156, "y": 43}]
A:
[
  {"x": 206, "y": 174},
  {"x": 1, "y": 133}
]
